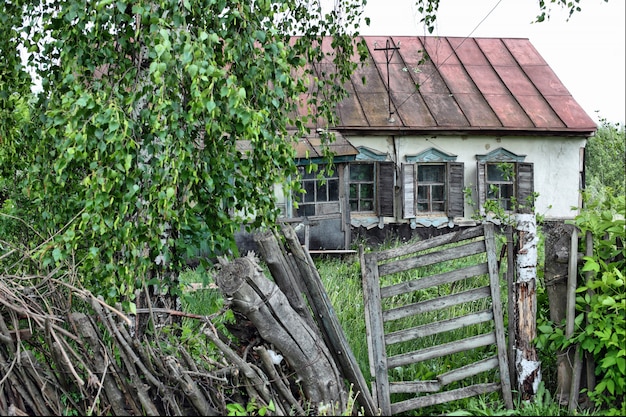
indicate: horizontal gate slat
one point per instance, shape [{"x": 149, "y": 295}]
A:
[
  {"x": 438, "y": 327},
  {"x": 413, "y": 387},
  {"x": 436, "y": 303},
  {"x": 444, "y": 397},
  {"x": 434, "y": 280},
  {"x": 441, "y": 350},
  {"x": 469, "y": 370},
  {"x": 432, "y": 258},
  {"x": 453, "y": 237}
]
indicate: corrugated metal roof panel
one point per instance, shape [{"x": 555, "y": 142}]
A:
[
  {"x": 311, "y": 146},
  {"x": 457, "y": 84}
]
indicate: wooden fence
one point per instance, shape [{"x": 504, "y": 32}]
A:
[{"x": 405, "y": 307}]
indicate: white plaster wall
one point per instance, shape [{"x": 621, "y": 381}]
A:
[{"x": 556, "y": 163}]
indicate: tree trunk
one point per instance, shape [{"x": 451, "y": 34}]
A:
[{"x": 526, "y": 362}]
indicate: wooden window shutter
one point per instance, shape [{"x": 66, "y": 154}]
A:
[
  {"x": 525, "y": 187},
  {"x": 455, "y": 184},
  {"x": 481, "y": 185},
  {"x": 386, "y": 186},
  {"x": 408, "y": 190}
]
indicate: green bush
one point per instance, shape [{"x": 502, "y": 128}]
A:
[{"x": 600, "y": 323}]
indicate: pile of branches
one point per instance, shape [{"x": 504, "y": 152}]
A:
[{"x": 64, "y": 351}]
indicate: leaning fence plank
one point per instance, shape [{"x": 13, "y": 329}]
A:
[
  {"x": 494, "y": 279},
  {"x": 413, "y": 387},
  {"x": 378, "y": 358},
  {"x": 328, "y": 321},
  {"x": 469, "y": 370}
]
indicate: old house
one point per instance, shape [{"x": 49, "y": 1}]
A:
[{"x": 433, "y": 129}]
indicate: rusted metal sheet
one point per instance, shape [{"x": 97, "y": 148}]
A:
[
  {"x": 421, "y": 84},
  {"x": 311, "y": 146}
]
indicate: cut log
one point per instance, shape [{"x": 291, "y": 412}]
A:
[{"x": 264, "y": 304}]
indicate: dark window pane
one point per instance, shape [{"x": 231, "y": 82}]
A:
[
  {"x": 422, "y": 206},
  {"x": 333, "y": 190},
  {"x": 306, "y": 210},
  {"x": 367, "y": 190},
  {"x": 354, "y": 191},
  {"x": 309, "y": 187},
  {"x": 322, "y": 194},
  {"x": 430, "y": 173},
  {"x": 495, "y": 172},
  {"x": 362, "y": 172},
  {"x": 354, "y": 205},
  {"x": 437, "y": 192},
  {"x": 438, "y": 207},
  {"x": 507, "y": 190},
  {"x": 422, "y": 193},
  {"x": 367, "y": 205}
]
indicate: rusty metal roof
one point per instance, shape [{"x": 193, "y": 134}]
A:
[
  {"x": 465, "y": 85},
  {"x": 312, "y": 147}
]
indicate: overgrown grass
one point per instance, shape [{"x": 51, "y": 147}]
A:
[{"x": 341, "y": 277}]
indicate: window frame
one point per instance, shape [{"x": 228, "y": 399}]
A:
[
  {"x": 453, "y": 184},
  {"x": 384, "y": 183},
  {"x": 523, "y": 180},
  {"x": 318, "y": 184},
  {"x": 430, "y": 184},
  {"x": 359, "y": 184},
  {"x": 498, "y": 185}
]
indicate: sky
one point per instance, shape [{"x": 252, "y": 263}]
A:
[{"x": 586, "y": 52}]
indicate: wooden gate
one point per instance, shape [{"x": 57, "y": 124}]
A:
[{"x": 434, "y": 321}]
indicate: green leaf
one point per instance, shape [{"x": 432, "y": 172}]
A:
[
  {"x": 192, "y": 70},
  {"x": 128, "y": 159},
  {"x": 159, "y": 49}
]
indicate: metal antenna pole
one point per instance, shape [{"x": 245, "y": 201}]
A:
[{"x": 388, "y": 58}]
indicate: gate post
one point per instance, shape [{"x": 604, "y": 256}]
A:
[
  {"x": 527, "y": 366},
  {"x": 558, "y": 237}
]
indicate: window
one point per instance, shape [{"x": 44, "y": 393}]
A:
[
  {"x": 431, "y": 188},
  {"x": 505, "y": 178},
  {"x": 432, "y": 184},
  {"x": 371, "y": 184},
  {"x": 361, "y": 196},
  {"x": 499, "y": 183},
  {"x": 318, "y": 192}
]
